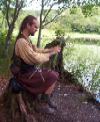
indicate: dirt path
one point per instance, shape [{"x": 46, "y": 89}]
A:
[{"x": 72, "y": 107}]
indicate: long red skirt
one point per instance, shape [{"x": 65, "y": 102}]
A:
[{"x": 38, "y": 81}]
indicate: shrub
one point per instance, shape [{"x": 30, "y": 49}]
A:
[
  {"x": 60, "y": 32},
  {"x": 3, "y": 35}
]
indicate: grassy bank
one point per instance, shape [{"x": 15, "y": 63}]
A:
[{"x": 84, "y": 62}]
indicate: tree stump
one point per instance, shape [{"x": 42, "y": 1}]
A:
[{"x": 18, "y": 106}]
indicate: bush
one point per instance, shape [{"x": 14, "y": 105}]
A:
[
  {"x": 60, "y": 32},
  {"x": 3, "y": 35},
  {"x": 76, "y": 27},
  {"x": 89, "y": 28},
  {"x": 85, "y": 28},
  {"x": 83, "y": 62}
]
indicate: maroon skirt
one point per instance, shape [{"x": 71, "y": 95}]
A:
[{"x": 37, "y": 81}]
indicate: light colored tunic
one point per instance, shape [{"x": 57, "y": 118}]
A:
[
  {"x": 30, "y": 53},
  {"x": 39, "y": 82}
]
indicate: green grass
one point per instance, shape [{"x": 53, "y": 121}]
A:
[{"x": 84, "y": 62}]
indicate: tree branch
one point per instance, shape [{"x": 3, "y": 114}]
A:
[
  {"x": 15, "y": 11},
  {"x": 7, "y": 4},
  {"x": 46, "y": 2},
  {"x": 49, "y": 11},
  {"x": 19, "y": 7},
  {"x": 59, "y": 13},
  {"x": 42, "y": 9}
]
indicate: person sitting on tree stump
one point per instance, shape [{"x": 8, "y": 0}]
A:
[{"x": 26, "y": 58}]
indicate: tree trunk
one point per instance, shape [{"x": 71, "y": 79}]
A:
[
  {"x": 41, "y": 24},
  {"x": 8, "y": 39},
  {"x": 39, "y": 37}
]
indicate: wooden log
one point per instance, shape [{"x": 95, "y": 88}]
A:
[
  {"x": 26, "y": 115},
  {"x": 17, "y": 107}
]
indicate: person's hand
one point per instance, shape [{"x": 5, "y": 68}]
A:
[{"x": 57, "y": 49}]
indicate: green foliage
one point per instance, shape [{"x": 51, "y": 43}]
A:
[
  {"x": 79, "y": 2},
  {"x": 87, "y": 10},
  {"x": 95, "y": 84},
  {"x": 74, "y": 10},
  {"x": 86, "y": 41},
  {"x": 89, "y": 24},
  {"x": 91, "y": 28},
  {"x": 77, "y": 27},
  {"x": 86, "y": 27},
  {"x": 4, "y": 66},
  {"x": 59, "y": 32},
  {"x": 82, "y": 60},
  {"x": 74, "y": 20},
  {"x": 3, "y": 37},
  {"x": 5, "y": 61}
]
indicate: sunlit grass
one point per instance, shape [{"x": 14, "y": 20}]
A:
[
  {"x": 84, "y": 52},
  {"x": 84, "y": 62}
]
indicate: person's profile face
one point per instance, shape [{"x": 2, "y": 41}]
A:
[{"x": 34, "y": 27}]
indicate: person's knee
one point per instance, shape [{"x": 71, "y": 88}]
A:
[{"x": 54, "y": 75}]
